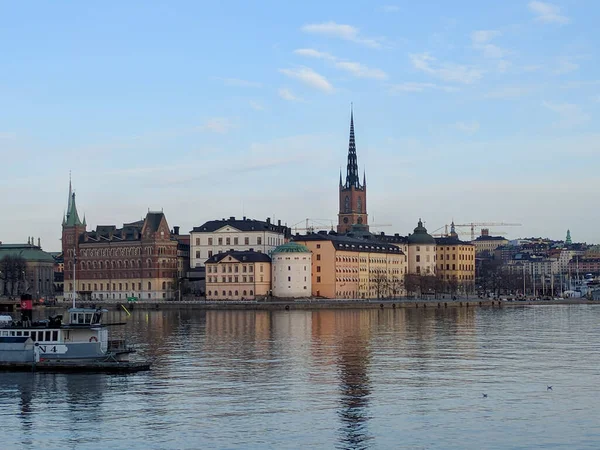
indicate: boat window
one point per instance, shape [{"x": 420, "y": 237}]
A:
[
  {"x": 33, "y": 335},
  {"x": 97, "y": 317},
  {"x": 19, "y": 333},
  {"x": 46, "y": 335},
  {"x": 25, "y": 333},
  {"x": 12, "y": 333},
  {"x": 80, "y": 318},
  {"x": 88, "y": 318},
  {"x": 55, "y": 335},
  {"x": 5, "y": 333}
]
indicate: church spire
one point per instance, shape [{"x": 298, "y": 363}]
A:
[{"x": 352, "y": 167}]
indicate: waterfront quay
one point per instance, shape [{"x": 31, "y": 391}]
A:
[{"x": 320, "y": 304}]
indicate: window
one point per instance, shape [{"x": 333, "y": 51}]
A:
[
  {"x": 220, "y": 241},
  {"x": 210, "y": 253},
  {"x": 197, "y": 241},
  {"x": 228, "y": 241},
  {"x": 235, "y": 241},
  {"x": 289, "y": 268},
  {"x": 149, "y": 285},
  {"x": 210, "y": 242},
  {"x": 259, "y": 241},
  {"x": 236, "y": 269},
  {"x": 250, "y": 269},
  {"x": 210, "y": 293},
  {"x": 289, "y": 278},
  {"x": 261, "y": 268},
  {"x": 453, "y": 266},
  {"x": 197, "y": 254},
  {"x": 318, "y": 257},
  {"x": 318, "y": 280},
  {"x": 251, "y": 279},
  {"x": 318, "y": 245},
  {"x": 246, "y": 241},
  {"x": 418, "y": 258},
  {"x": 318, "y": 268},
  {"x": 235, "y": 280},
  {"x": 251, "y": 292}
]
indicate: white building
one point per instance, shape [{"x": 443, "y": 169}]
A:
[
  {"x": 421, "y": 251},
  {"x": 220, "y": 236},
  {"x": 291, "y": 266}
]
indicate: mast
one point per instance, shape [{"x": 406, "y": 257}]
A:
[{"x": 74, "y": 279}]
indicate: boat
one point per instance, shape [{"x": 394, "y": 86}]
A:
[{"x": 82, "y": 344}]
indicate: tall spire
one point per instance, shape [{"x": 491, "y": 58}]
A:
[
  {"x": 340, "y": 177},
  {"x": 70, "y": 194},
  {"x": 352, "y": 167}
]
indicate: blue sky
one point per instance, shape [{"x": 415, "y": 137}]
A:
[{"x": 477, "y": 111}]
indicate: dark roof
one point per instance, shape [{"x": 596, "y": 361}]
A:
[
  {"x": 420, "y": 236},
  {"x": 242, "y": 256},
  {"x": 491, "y": 238},
  {"x": 450, "y": 241},
  {"x": 130, "y": 231},
  {"x": 243, "y": 224},
  {"x": 351, "y": 244}
]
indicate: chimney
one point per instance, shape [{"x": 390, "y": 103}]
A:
[
  {"x": 39, "y": 243},
  {"x": 232, "y": 218},
  {"x": 279, "y": 223},
  {"x": 485, "y": 231},
  {"x": 269, "y": 220},
  {"x": 176, "y": 231},
  {"x": 244, "y": 218}
]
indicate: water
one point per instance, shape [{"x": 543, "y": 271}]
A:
[{"x": 392, "y": 379}]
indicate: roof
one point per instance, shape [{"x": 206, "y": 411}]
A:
[
  {"x": 243, "y": 224},
  {"x": 491, "y": 238},
  {"x": 291, "y": 247},
  {"x": 28, "y": 252},
  {"x": 130, "y": 231},
  {"x": 241, "y": 256},
  {"x": 351, "y": 244},
  {"x": 420, "y": 236},
  {"x": 450, "y": 241},
  {"x": 72, "y": 217}
]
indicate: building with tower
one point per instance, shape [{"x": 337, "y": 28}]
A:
[
  {"x": 138, "y": 260},
  {"x": 353, "y": 194},
  {"x": 292, "y": 271},
  {"x": 421, "y": 251}
]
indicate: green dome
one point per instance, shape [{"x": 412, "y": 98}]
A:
[
  {"x": 420, "y": 236},
  {"x": 291, "y": 247}
]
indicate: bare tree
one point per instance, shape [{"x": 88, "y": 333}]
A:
[
  {"x": 380, "y": 281},
  {"x": 412, "y": 283},
  {"x": 12, "y": 273},
  {"x": 427, "y": 284},
  {"x": 395, "y": 286}
]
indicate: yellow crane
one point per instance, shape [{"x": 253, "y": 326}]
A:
[{"x": 321, "y": 226}]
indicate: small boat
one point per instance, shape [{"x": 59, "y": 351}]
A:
[{"x": 80, "y": 345}]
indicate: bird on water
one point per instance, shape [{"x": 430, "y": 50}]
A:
[
  {"x": 549, "y": 388},
  {"x": 484, "y": 395}
]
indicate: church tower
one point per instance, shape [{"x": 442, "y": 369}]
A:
[
  {"x": 353, "y": 194},
  {"x": 72, "y": 229}
]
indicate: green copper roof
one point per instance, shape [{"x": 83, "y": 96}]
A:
[
  {"x": 291, "y": 247},
  {"x": 72, "y": 216},
  {"x": 420, "y": 236},
  {"x": 26, "y": 251}
]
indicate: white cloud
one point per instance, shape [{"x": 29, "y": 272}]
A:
[
  {"x": 357, "y": 69},
  {"x": 257, "y": 106},
  {"x": 467, "y": 127},
  {"x": 571, "y": 115},
  {"x": 309, "y": 77},
  {"x": 341, "y": 31},
  {"x": 446, "y": 71},
  {"x": 389, "y": 8},
  {"x": 217, "y": 125},
  {"x": 547, "y": 13},
  {"x": 288, "y": 95},
  {"x": 419, "y": 87},
  {"x": 236, "y": 82},
  {"x": 481, "y": 41}
]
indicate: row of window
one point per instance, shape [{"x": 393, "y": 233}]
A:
[
  {"x": 236, "y": 241},
  {"x": 82, "y": 286},
  {"x": 230, "y": 293},
  {"x": 231, "y": 268},
  {"x": 125, "y": 251},
  {"x": 233, "y": 279},
  {"x": 131, "y": 274},
  {"x": 461, "y": 256},
  {"x": 132, "y": 264},
  {"x": 460, "y": 267},
  {"x": 37, "y": 336}
]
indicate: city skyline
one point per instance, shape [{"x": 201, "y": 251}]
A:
[{"x": 209, "y": 112}]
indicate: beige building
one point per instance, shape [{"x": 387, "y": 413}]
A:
[
  {"x": 486, "y": 244},
  {"x": 421, "y": 251},
  {"x": 238, "y": 275},
  {"x": 351, "y": 268},
  {"x": 220, "y": 236},
  {"x": 455, "y": 261},
  {"x": 292, "y": 273}
]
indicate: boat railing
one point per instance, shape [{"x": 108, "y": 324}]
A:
[{"x": 118, "y": 345}]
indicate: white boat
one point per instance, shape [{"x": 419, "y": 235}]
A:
[{"x": 80, "y": 344}]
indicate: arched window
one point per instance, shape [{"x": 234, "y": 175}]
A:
[
  {"x": 236, "y": 292},
  {"x": 251, "y": 292},
  {"x": 210, "y": 293},
  {"x": 164, "y": 285},
  {"x": 149, "y": 285},
  {"x": 359, "y": 204},
  {"x": 244, "y": 292},
  {"x": 230, "y": 293},
  {"x": 347, "y": 204}
]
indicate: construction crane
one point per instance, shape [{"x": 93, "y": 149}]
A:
[
  {"x": 474, "y": 225},
  {"x": 320, "y": 226}
]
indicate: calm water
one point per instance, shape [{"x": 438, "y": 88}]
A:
[{"x": 329, "y": 379}]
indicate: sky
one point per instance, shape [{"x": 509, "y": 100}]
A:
[{"x": 466, "y": 110}]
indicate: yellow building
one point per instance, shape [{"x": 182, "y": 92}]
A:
[
  {"x": 455, "y": 261},
  {"x": 352, "y": 268},
  {"x": 238, "y": 275}
]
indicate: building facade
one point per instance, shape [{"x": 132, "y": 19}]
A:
[
  {"x": 220, "y": 236},
  {"x": 291, "y": 264},
  {"x": 26, "y": 269},
  {"x": 351, "y": 268},
  {"x": 421, "y": 251},
  {"x": 455, "y": 260},
  {"x": 238, "y": 275},
  {"x": 485, "y": 245},
  {"x": 138, "y": 260},
  {"x": 352, "y": 194}
]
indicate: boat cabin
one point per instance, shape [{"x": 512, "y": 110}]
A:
[{"x": 85, "y": 316}]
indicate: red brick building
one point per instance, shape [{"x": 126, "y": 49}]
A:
[{"x": 137, "y": 260}]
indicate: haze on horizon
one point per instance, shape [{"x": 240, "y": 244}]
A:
[{"x": 225, "y": 109}]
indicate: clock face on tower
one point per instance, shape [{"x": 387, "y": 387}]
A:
[{"x": 345, "y": 220}]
